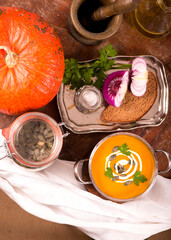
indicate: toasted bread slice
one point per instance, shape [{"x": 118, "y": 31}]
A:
[{"x": 132, "y": 107}]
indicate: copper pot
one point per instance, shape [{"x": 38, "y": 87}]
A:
[{"x": 92, "y": 181}]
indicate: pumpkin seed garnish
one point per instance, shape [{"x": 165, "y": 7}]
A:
[
  {"x": 121, "y": 168},
  {"x": 127, "y": 183},
  {"x": 115, "y": 178},
  {"x": 115, "y": 149},
  {"x": 133, "y": 162},
  {"x": 112, "y": 157}
]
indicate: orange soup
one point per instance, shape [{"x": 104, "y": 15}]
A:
[{"x": 123, "y": 166}]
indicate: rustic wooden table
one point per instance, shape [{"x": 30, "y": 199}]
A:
[{"x": 127, "y": 41}]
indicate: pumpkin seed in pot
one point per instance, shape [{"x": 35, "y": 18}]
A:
[
  {"x": 49, "y": 135},
  {"x": 35, "y": 140},
  {"x": 36, "y": 152},
  {"x": 49, "y": 144},
  {"x": 42, "y": 127},
  {"x": 41, "y": 137},
  {"x": 46, "y": 131}
]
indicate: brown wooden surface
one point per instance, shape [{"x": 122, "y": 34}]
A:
[{"x": 127, "y": 41}]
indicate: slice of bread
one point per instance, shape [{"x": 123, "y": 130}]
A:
[{"x": 132, "y": 107}]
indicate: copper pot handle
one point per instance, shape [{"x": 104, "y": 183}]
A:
[
  {"x": 76, "y": 172},
  {"x": 168, "y": 156}
]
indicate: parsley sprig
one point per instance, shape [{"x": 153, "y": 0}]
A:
[
  {"x": 79, "y": 74},
  {"x": 124, "y": 149},
  {"x": 109, "y": 172},
  {"x": 138, "y": 178}
]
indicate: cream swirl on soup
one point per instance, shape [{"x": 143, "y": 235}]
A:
[{"x": 130, "y": 164}]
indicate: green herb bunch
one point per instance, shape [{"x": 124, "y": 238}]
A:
[{"x": 79, "y": 74}]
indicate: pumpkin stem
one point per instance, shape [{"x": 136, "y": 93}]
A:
[{"x": 11, "y": 58}]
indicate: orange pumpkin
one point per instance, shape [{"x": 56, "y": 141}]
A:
[{"x": 31, "y": 61}]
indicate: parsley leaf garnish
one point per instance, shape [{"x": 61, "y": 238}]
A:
[
  {"x": 109, "y": 172},
  {"x": 79, "y": 74},
  {"x": 138, "y": 178},
  {"x": 124, "y": 149}
]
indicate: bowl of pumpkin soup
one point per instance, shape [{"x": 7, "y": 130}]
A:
[{"x": 122, "y": 167}]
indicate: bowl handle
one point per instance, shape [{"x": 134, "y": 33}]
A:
[
  {"x": 168, "y": 156},
  {"x": 76, "y": 172}
]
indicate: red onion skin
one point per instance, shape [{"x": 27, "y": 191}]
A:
[
  {"x": 112, "y": 88},
  {"x": 107, "y": 93}
]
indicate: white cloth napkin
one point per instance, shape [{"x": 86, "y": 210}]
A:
[{"x": 54, "y": 194}]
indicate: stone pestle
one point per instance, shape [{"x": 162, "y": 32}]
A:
[{"x": 114, "y": 7}]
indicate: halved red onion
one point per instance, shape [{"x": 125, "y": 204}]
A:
[
  {"x": 115, "y": 87},
  {"x": 139, "y": 77}
]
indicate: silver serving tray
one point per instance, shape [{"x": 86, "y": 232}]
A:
[{"x": 81, "y": 123}]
